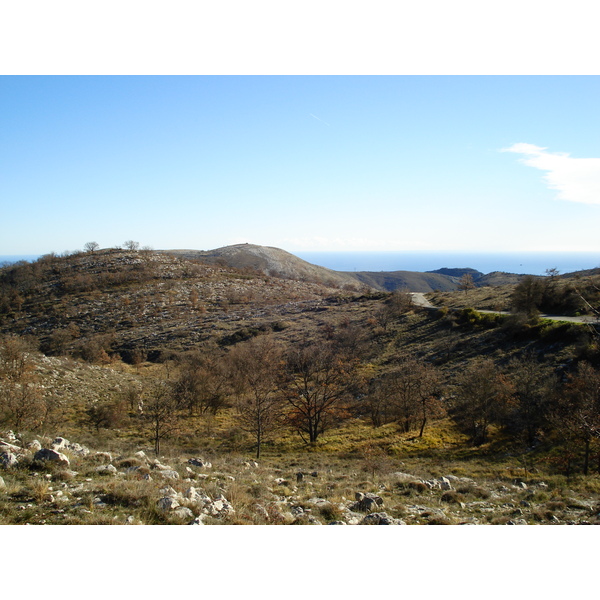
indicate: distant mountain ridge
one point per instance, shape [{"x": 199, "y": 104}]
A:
[
  {"x": 271, "y": 261},
  {"x": 276, "y": 262}
]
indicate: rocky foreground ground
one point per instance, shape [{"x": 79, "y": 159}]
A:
[{"x": 56, "y": 481}]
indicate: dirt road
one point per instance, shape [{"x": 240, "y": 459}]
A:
[{"x": 420, "y": 300}]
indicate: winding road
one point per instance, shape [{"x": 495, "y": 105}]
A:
[{"x": 420, "y": 300}]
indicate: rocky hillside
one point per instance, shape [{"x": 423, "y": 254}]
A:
[
  {"x": 87, "y": 304},
  {"x": 273, "y": 262},
  {"x": 406, "y": 280},
  {"x": 50, "y": 480}
]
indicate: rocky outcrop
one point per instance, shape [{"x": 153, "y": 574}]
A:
[{"x": 49, "y": 455}]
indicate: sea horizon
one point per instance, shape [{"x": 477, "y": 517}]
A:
[{"x": 522, "y": 263}]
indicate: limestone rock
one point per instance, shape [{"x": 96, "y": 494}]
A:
[
  {"x": 9, "y": 447},
  {"x": 167, "y": 503},
  {"x": 221, "y": 507},
  {"x": 8, "y": 460},
  {"x": 34, "y": 445},
  {"x": 59, "y": 443},
  {"x": 182, "y": 512},
  {"x": 381, "y": 519},
  {"x": 47, "y": 454},
  {"x": 366, "y": 502},
  {"x": 199, "y": 462},
  {"x": 106, "y": 470}
]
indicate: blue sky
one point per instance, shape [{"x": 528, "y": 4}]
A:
[{"x": 432, "y": 163}]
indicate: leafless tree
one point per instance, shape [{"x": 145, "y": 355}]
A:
[
  {"x": 317, "y": 383},
  {"x": 466, "y": 283},
  {"x": 412, "y": 391},
  {"x": 22, "y": 403},
  {"x": 131, "y": 245},
  {"x": 91, "y": 247},
  {"x": 202, "y": 384},
  {"x": 577, "y": 413},
  {"x": 161, "y": 410},
  {"x": 255, "y": 368},
  {"x": 482, "y": 393}
]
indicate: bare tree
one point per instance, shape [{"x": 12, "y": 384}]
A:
[
  {"x": 578, "y": 410},
  {"x": 202, "y": 384},
  {"x": 22, "y": 403},
  {"x": 91, "y": 247},
  {"x": 535, "y": 384},
  {"x": 412, "y": 392},
  {"x": 316, "y": 384},
  {"x": 161, "y": 410},
  {"x": 255, "y": 368},
  {"x": 482, "y": 393},
  {"x": 466, "y": 283},
  {"x": 131, "y": 245}
]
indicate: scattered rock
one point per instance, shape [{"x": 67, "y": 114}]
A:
[
  {"x": 260, "y": 510},
  {"x": 199, "y": 462},
  {"x": 167, "y": 503},
  {"x": 59, "y": 443},
  {"x": 34, "y": 445},
  {"x": 106, "y": 470},
  {"x": 381, "y": 519},
  {"x": 8, "y": 460},
  {"x": 10, "y": 447},
  {"x": 366, "y": 502},
  {"x": 47, "y": 454},
  {"x": 169, "y": 473},
  {"x": 182, "y": 512}
]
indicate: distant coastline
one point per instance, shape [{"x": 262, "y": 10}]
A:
[
  {"x": 13, "y": 258},
  {"x": 531, "y": 263}
]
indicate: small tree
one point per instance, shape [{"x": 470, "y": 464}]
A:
[
  {"x": 466, "y": 283},
  {"x": 131, "y": 245},
  {"x": 482, "y": 393},
  {"x": 202, "y": 384},
  {"x": 161, "y": 410},
  {"x": 527, "y": 296},
  {"x": 534, "y": 385},
  {"x": 316, "y": 384},
  {"x": 91, "y": 247},
  {"x": 22, "y": 403},
  {"x": 255, "y": 367},
  {"x": 413, "y": 391},
  {"x": 577, "y": 414}
]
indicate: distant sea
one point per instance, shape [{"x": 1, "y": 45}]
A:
[
  {"x": 13, "y": 258},
  {"x": 531, "y": 263}
]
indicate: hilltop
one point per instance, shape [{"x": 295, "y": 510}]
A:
[
  {"x": 275, "y": 262},
  {"x": 108, "y": 347}
]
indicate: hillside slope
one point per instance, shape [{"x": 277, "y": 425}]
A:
[
  {"x": 408, "y": 280},
  {"x": 270, "y": 261}
]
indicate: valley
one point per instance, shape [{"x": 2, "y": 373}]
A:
[{"x": 269, "y": 370}]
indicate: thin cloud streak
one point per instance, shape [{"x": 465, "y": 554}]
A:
[
  {"x": 575, "y": 179},
  {"x": 317, "y": 118}
]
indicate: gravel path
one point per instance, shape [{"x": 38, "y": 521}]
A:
[{"x": 420, "y": 300}]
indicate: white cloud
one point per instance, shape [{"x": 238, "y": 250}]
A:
[{"x": 575, "y": 179}]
